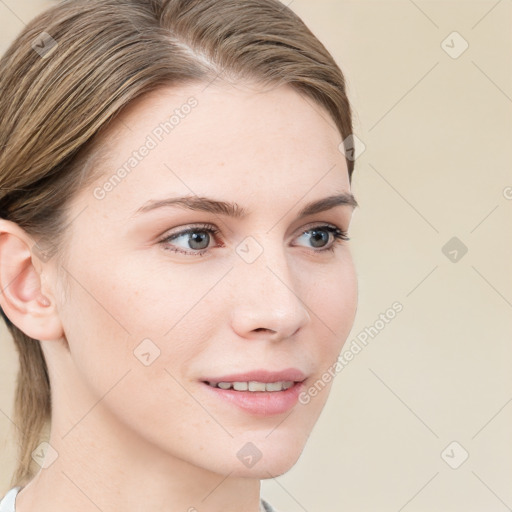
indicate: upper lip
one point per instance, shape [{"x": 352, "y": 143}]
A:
[{"x": 289, "y": 374}]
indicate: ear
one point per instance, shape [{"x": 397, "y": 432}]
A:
[{"x": 24, "y": 302}]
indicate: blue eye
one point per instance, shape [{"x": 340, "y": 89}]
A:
[
  {"x": 198, "y": 238},
  {"x": 316, "y": 236},
  {"x": 195, "y": 243}
]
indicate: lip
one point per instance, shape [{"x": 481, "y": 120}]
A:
[
  {"x": 262, "y": 375},
  {"x": 258, "y": 403}
]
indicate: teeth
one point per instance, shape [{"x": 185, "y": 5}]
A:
[
  {"x": 274, "y": 386},
  {"x": 257, "y": 386},
  {"x": 253, "y": 385}
]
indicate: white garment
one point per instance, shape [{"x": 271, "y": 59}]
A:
[{"x": 8, "y": 503}]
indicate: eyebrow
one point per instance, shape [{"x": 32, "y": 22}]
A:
[{"x": 231, "y": 209}]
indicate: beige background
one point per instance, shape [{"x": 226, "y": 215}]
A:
[{"x": 437, "y": 163}]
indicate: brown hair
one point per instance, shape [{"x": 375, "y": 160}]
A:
[{"x": 73, "y": 69}]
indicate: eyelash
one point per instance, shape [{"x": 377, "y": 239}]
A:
[{"x": 338, "y": 234}]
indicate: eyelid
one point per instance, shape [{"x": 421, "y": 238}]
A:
[
  {"x": 318, "y": 224},
  {"x": 183, "y": 230},
  {"x": 213, "y": 227}
]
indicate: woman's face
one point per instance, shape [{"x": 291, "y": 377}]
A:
[{"x": 148, "y": 320}]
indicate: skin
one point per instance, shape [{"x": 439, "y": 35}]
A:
[{"x": 135, "y": 437}]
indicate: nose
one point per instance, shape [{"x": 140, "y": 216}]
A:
[{"x": 266, "y": 301}]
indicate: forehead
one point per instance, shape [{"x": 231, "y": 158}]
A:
[{"x": 219, "y": 140}]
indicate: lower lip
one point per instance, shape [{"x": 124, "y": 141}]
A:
[{"x": 262, "y": 403}]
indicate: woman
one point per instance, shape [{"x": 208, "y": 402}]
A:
[{"x": 175, "y": 202}]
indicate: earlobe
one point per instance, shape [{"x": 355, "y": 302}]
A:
[{"x": 22, "y": 298}]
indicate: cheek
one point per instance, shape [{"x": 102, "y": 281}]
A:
[
  {"x": 154, "y": 295},
  {"x": 332, "y": 304},
  {"x": 131, "y": 341},
  {"x": 331, "y": 297},
  {"x": 135, "y": 315}
]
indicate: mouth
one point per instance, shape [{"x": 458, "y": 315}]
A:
[{"x": 259, "y": 398}]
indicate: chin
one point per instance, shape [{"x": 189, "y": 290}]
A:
[{"x": 274, "y": 459}]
